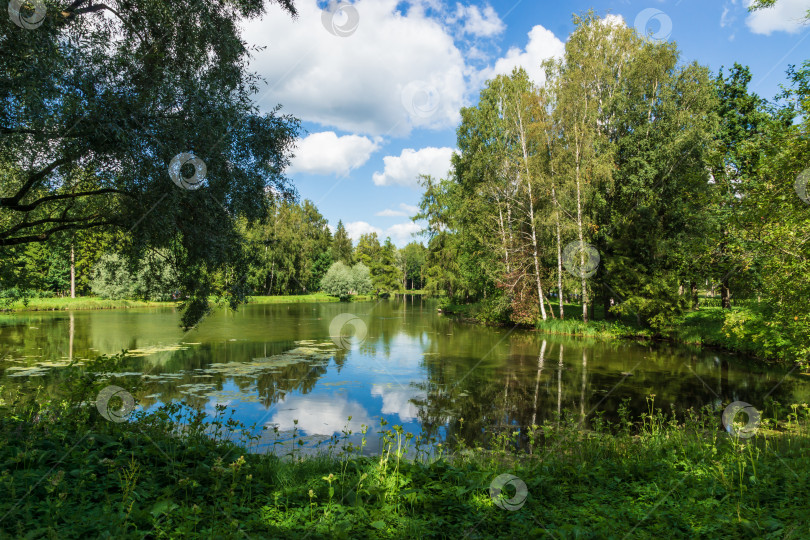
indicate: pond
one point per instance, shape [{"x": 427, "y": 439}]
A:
[{"x": 282, "y": 366}]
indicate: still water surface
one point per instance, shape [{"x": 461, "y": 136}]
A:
[{"x": 402, "y": 361}]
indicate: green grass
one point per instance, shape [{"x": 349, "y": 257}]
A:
[
  {"x": 91, "y": 302},
  {"x": 69, "y": 473},
  {"x": 84, "y": 302},
  {"x": 742, "y": 329},
  {"x": 292, "y": 299}
]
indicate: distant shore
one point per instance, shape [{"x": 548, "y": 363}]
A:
[{"x": 92, "y": 302}]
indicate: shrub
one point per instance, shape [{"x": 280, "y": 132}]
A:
[
  {"x": 153, "y": 279},
  {"x": 343, "y": 281},
  {"x": 361, "y": 279}
]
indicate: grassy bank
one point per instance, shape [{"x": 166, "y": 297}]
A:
[
  {"x": 69, "y": 473},
  {"x": 741, "y": 329},
  {"x": 299, "y": 298},
  {"x": 84, "y": 302},
  {"x": 91, "y": 302}
]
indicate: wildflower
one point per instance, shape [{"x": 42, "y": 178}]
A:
[{"x": 57, "y": 478}]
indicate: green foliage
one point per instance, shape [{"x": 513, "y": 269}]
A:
[
  {"x": 153, "y": 279},
  {"x": 288, "y": 249},
  {"x": 173, "y": 472},
  {"x": 338, "y": 281},
  {"x": 361, "y": 282},
  {"x": 386, "y": 275},
  {"x": 343, "y": 281},
  {"x": 341, "y": 248},
  {"x": 368, "y": 249},
  {"x": 122, "y": 89},
  {"x": 382, "y": 262},
  {"x": 682, "y": 181},
  {"x": 495, "y": 310},
  {"x": 413, "y": 257}
]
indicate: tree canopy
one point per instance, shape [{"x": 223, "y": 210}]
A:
[{"x": 102, "y": 104}]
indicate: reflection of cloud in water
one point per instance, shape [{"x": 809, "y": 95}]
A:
[
  {"x": 319, "y": 415},
  {"x": 211, "y": 406},
  {"x": 397, "y": 400}
]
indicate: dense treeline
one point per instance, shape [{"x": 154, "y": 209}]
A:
[
  {"x": 631, "y": 180},
  {"x": 288, "y": 251}
]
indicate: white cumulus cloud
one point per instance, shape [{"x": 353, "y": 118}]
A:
[
  {"x": 326, "y": 153},
  {"x": 785, "y": 16},
  {"x": 543, "y": 44},
  {"x": 403, "y": 233},
  {"x": 400, "y": 233},
  {"x": 478, "y": 23},
  {"x": 356, "y": 229},
  {"x": 406, "y": 168},
  {"x": 355, "y": 83},
  {"x": 404, "y": 211}
]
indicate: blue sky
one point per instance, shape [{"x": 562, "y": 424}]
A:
[{"x": 378, "y": 83}]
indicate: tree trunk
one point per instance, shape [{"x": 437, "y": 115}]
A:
[
  {"x": 559, "y": 253},
  {"x": 503, "y": 239},
  {"x": 606, "y": 302},
  {"x": 72, "y": 273},
  {"x": 725, "y": 294},
  {"x": 550, "y": 308},
  {"x": 531, "y": 218},
  {"x": 581, "y": 237},
  {"x": 694, "y": 291}
]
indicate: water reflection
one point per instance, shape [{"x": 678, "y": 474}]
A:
[{"x": 275, "y": 364}]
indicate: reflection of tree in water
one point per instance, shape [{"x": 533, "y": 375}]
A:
[
  {"x": 493, "y": 378},
  {"x": 46, "y": 337},
  {"x": 299, "y": 374},
  {"x": 536, "y": 380}
]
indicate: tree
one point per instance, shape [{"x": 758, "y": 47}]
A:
[
  {"x": 385, "y": 273},
  {"x": 773, "y": 216},
  {"x": 368, "y": 249},
  {"x": 288, "y": 250},
  {"x": 742, "y": 118},
  {"x": 361, "y": 279},
  {"x": 413, "y": 260},
  {"x": 343, "y": 281},
  {"x": 117, "y": 92},
  {"x": 150, "y": 279},
  {"x": 338, "y": 281},
  {"x": 341, "y": 245}
]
